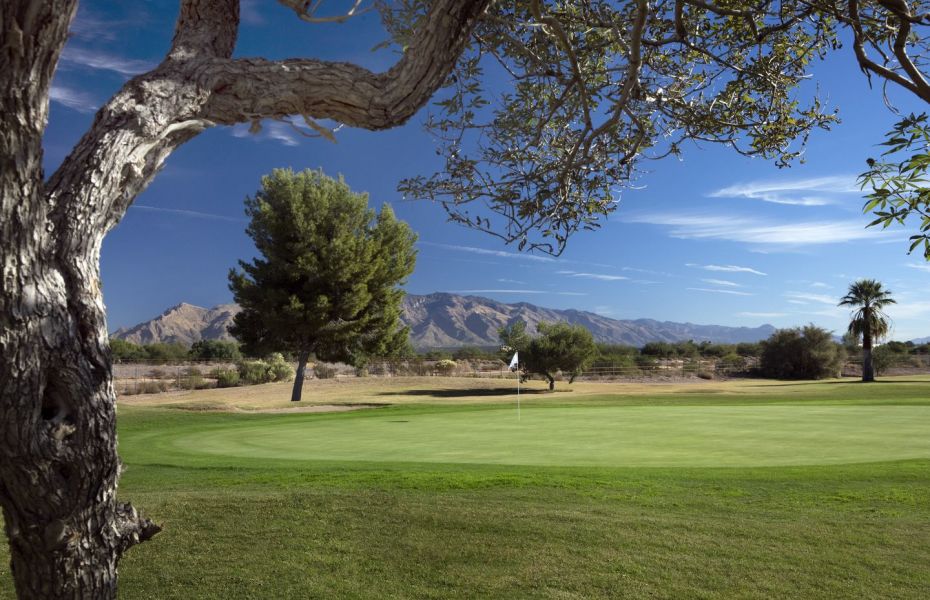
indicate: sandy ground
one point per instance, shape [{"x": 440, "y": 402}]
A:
[{"x": 353, "y": 393}]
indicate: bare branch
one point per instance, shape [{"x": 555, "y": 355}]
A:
[{"x": 307, "y": 12}]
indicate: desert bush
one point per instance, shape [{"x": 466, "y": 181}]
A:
[
  {"x": 215, "y": 350},
  {"x": 801, "y": 353},
  {"x": 883, "y": 358},
  {"x": 732, "y": 361},
  {"x": 445, "y": 366},
  {"x": 279, "y": 369},
  {"x": 322, "y": 371},
  {"x": 254, "y": 372},
  {"x": 705, "y": 375},
  {"x": 225, "y": 378}
]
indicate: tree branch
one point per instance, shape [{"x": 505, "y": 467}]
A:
[{"x": 249, "y": 89}]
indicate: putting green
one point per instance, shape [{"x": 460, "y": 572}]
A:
[{"x": 698, "y": 436}]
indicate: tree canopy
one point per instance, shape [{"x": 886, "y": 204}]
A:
[
  {"x": 868, "y": 298},
  {"x": 326, "y": 281},
  {"x": 807, "y": 352},
  {"x": 559, "y": 347}
]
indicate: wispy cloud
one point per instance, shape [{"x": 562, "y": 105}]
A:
[
  {"x": 74, "y": 99},
  {"x": 511, "y": 281},
  {"x": 519, "y": 292},
  {"x": 808, "y": 297},
  {"x": 189, "y": 213},
  {"x": 817, "y": 191},
  {"x": 597, "y": 276},
  {"x": 722, "y": 282},
  {"x": 726, "y": 268},
  {"x": 486, "y": 252},
  {"x": 756, "y": 231},
  {"x": 271, "y": 130},
  {"x": 716, "y": 291},
  {"x": 820, "y": 284},
  {"x": 93, "y": 59},
  {"x": 919, "y": 266},
  {"x": 763, "y": 315},
  {"x": 647, "y": 271},
  {"x": 250, "y": 13}
]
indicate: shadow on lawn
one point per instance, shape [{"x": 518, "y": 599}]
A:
[
  {"x": 852, "y": 381},
  {"x": 456, "y": 393}
]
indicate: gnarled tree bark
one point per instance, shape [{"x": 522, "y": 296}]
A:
[{"x": 58, "y": 463}]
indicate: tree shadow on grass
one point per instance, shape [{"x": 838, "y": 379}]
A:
[
  {"x": 456, "y": 393},
  {"x": 851, "y": 382}
]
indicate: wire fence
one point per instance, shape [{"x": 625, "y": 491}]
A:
[{"x": 155, "y": 376}]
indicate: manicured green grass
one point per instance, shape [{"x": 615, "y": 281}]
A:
[{"x": 666, "y": 496}]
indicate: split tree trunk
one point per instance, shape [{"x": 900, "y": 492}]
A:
[
  {"x": 58, "y": 463},
  {"x": 302, "y": 359}
]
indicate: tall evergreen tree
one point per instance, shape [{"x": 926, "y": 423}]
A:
[
  {"x": 868, "y": 322},
  {"x": 326, "y": 281}
]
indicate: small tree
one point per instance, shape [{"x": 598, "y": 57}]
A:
[
  {"x": 868, "y": 322},
  {"x": 560, "y": 347},
  {"x": 801, "y": 353},
  {"x": 326, "y": 282},
  {"x": 215, "y": 350}
]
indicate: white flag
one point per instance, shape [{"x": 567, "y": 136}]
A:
[{"x": 514, "y": 361}]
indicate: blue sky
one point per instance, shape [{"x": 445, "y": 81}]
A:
[{"x": 712, "y": 238}]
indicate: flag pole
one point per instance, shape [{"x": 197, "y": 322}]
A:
[{"x": 518, "y": 392}]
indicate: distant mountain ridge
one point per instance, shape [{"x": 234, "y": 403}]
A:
[{"x": 443, "y": 320}]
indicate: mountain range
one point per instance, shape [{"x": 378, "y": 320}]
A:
[{"x": 444, "y": 320}]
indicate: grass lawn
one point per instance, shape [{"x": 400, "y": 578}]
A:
[{"x": 705, "y": 490}]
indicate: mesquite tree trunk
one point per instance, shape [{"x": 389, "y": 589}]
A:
[
  {"x": 58, "y": 462},
  {"x": 302, "y": 359}
]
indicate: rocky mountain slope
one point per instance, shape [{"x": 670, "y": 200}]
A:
[
  {"x": 184, "y": 323},
  {"x": 448, "y": 320}
]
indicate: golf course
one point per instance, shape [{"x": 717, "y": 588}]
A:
[{"x": 439, "y": 488}]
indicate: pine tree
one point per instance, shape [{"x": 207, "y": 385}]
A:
[{"x": 326, "y": 281}]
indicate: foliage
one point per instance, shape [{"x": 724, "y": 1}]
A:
[
  {"x": 732, "y": 362},
  {"x": 225, "y": 378},
  {"x": 898, "y": 182},
  {"x": 807, "y": 352},
  {"x": 749, "y": 349},
  {"x": 445, "y": 366},
  {"x": 323, "y": 371},
  {"x": 123, "y": 350},
  {"x": 279, "y": 368},
  {"x": 883, "y": 358},
  {"x": 513, "y": 338},
  {"x": 326, "y": 281},
  {"x": 601, "y": 86},
  {"x": 166, "y": 352},
  {"x": 254, "y": 372},
  {"x": 215, "y": 350},
  {"x": 559, "y": 347}
]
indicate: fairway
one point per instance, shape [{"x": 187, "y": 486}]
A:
[{"x": 610, "y": 436}]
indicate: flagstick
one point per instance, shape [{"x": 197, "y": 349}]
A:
[{"x": 518, "y": 392}]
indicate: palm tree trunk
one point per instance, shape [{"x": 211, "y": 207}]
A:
[{"x": 868, "y": 372}]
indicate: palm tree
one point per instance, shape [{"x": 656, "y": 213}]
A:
[{"x": 868, "y": 321}]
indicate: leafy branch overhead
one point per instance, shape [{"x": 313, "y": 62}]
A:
[
  {"x": 898, "y": 181},
  {"x": 596, "y": 87}
]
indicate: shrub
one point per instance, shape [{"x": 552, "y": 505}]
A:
[
  {"x": 705, "y": 375},
  {"x": 215, "y": 350},
  {"x": 321, "y": 371},
  {"x": 445, "y": 366},
  {"x": 884, "y": 358},
  {"x": 225, "y": 378},
  {"x": 279, "y": 369},
  {"x": 731, "y": 362},
  {"x": 801, "y": 353},
  {"x": 254, "y": 372}
]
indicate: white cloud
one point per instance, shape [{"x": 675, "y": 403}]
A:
[
  {"x": 74, "y": 99},
  {"x": 763, "y": 315},
  {"x": 805, "y": 296},
  {"x": 511, "y": 281},
  {"x": 909, "y": 310},
  {"x": 597, "y": 276},
  {"x": 497, "y": 253},
  {"x": 726, "y": 268},
  {"x": 797, "y": 302},
  {"x": 922, "y": 267},
  {"x": 817, "y": 191},
  {"x": 189, "y": 213},
  {"x": 92, "y": 59},
  {"x": 519, "y": 292},
  {"x": 721, "y": 282},
  {"x": 820, "y": 284},
  {"x": 733, "y": 292},
  {"x": 756, "y": 231}
]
